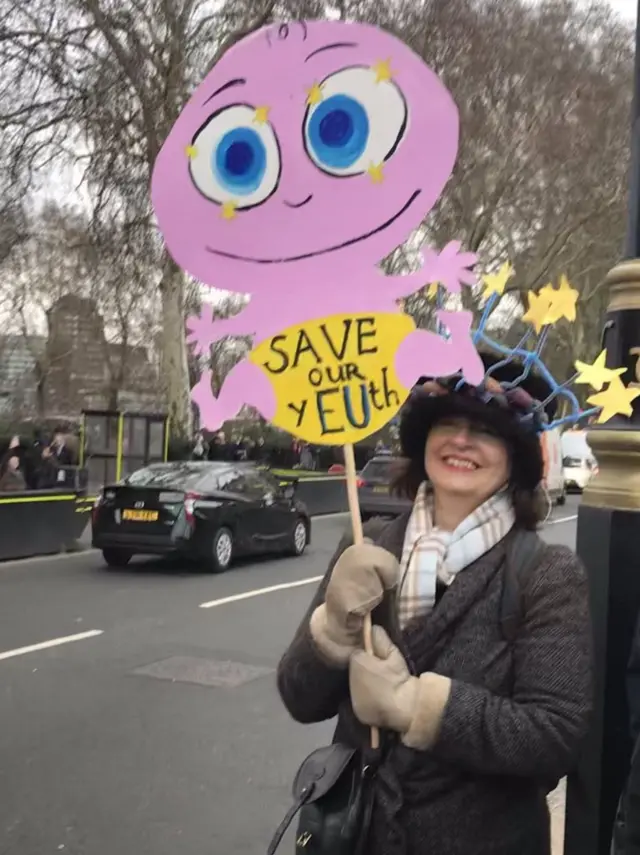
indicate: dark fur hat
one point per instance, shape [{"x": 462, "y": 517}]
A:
[{"x": 510, "y": 414}]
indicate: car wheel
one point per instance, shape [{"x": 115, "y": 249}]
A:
[
  {"x": 562, "y": 498},
  {"x": 221, "y": 550},
  {"x": 299, "y": 537},
  {"x": 117, "y": 557}
]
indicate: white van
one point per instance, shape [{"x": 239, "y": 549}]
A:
[
  {"x": 577, "y": 459},
  {"x": 554, "y": 480}
]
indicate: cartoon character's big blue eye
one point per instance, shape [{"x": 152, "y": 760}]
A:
[
  {"x": 358, "y": 123},
  {"x": 236, "y": 158},
  {"x": 240, "y": 160},
  {"x": 338, "y": 132}
]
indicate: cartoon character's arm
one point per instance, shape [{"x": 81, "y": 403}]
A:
[
  {"x": 205, "y": 329},
  {"x": 245, "y": 384},
  {"x": 451, "y": 268}
]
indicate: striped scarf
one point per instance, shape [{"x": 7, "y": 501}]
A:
[{"x": 429, "y": 554}]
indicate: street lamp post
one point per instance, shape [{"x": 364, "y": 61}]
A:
[
  {"x": 608, "y": 543},
  {"x": 632, "y": 246}
]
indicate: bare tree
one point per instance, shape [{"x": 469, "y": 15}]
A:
[
  {"x": 123, "y": 282},
  {"x": 13, "y": 230},
  {"x": 97, "y": 84},
  {"x": 36, "y": 274},
  {"x": 544, "y": 94},
  {"x": 65, "y": 256},
  {"x": 226, "y": 352}
]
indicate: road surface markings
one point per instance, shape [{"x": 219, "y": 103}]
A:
[
  {"x": 40, "y": 559},
  {"x": 54, "y": 642},
  {"x": 247, "y": 595},
  {"x": 44, "y": 559},
  {"x": 258, "y": 592},
  {"x": 562, "y": 520}
]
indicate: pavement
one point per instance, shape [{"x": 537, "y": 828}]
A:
[{"x": 136, "y": 721}]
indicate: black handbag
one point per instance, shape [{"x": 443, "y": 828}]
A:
[{"x": 333, "y": 794}]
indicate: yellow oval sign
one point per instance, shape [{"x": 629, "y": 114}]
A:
[{"x": 334, "y": 378}]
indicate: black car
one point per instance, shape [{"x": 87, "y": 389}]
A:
[
  {"x": 374, "y": 489},
  {"x": 210, "y": 512}
]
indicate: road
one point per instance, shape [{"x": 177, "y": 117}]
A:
[{"x": 161, "y": 732}]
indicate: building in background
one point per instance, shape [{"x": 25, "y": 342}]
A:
[
  {"x": 74, "y": 368},
  {"x": 18, "y": 360}
]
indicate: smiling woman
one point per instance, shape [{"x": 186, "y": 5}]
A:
[
  {"x": 466, "y": 463},
  {"x": 481, "y": 671}
]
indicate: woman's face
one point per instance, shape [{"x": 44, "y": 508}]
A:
[{"x": 466, "y": 460}]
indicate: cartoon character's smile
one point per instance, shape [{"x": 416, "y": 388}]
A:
[
  {"x": 323, "y": 143},
  {"x": 302, "y": 256},
  {"x": 299, "y": 204}
]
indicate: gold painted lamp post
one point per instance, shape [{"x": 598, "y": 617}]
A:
[
  {"x": 617, "y": 445},
  {"x": 609, "y": 545}
]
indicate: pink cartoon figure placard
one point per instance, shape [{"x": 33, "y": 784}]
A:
[{"x": 310, "y": 152}]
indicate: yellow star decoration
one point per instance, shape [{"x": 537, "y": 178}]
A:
[
  {"x": 191, "y": 151},
  {"x": 314, "y": 95},
  {"x": 495, "y": 283},
  {"x": 616, "y": 400},
  {"x": 229, "y": 210},
  {"x": 538, "y": 312},
  {"x": 598, "y": 374},
  {"x": 261, "y": 116},
  {"x": 431, "y": 291},
  {"x": 563, "y": 301},
  {"x": 375, "y": 173},
  {"x": 383, "y": 71}
]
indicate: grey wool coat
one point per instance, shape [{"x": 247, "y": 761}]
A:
[{"x": 514, "y": 721}]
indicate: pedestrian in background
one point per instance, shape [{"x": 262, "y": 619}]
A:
[
  {"x": 201, "y": 448},
  {"x": 11, "y": 478},
  {"x": 306, "y": 457},
  {"x": 481, "y": 673},
  {"x": 60, "y": 452},
  {"x": 12, "y": 465},
  {"x": 58, "y": 459}
]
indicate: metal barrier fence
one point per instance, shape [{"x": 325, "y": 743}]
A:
[
  {"x": 321, "y": 494},
  {"x": 41, "y": 522},
  {"x": 45, "y": 522}
]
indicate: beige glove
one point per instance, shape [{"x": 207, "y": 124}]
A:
[
  {"x": 359, "y": 579},
  {"x": 384, "y": 694}
]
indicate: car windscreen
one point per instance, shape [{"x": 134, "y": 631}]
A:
[
  {"x": 575, "y": 445},
  {"x": 176, "y": 478},
  {"x": 573, "y": 462},
  {"x": 378, "y": 470}
]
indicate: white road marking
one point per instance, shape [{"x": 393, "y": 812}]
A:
[
  {"x": 38, "y": 559},
  {"x": 247, "y": 595},
  {"x": 35, "y": 559},
  {"x": 54, "y": 642},
  {"x": 258, "y": 592},
  {"x": 562, "y": 520}
]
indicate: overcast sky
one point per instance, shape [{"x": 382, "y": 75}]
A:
[{"x": 628, "y": 8}]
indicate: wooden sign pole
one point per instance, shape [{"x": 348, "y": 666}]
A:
[{"x": 358, "y": 537}]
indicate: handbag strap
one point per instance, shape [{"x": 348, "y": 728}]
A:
[{"x": 303, "y": 798}]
